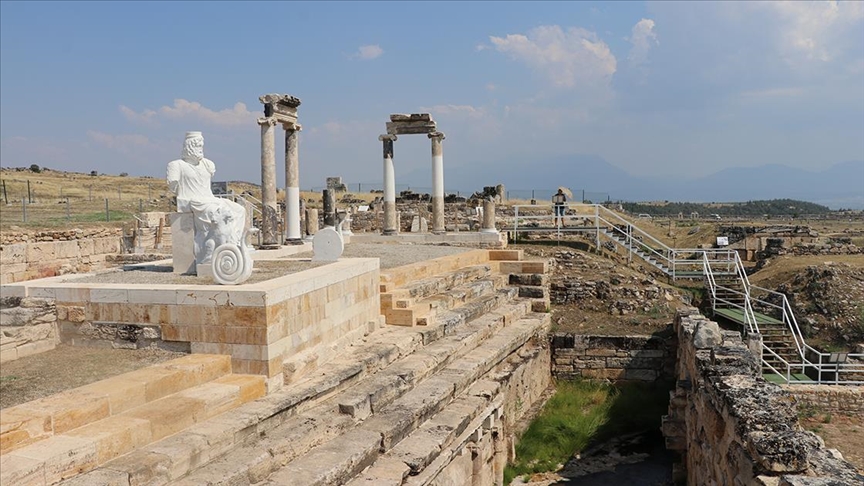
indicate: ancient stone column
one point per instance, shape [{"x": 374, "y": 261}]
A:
[
  {"x": 292, "y": 185},
  {"x": 311, "y": 221},
  {"x": 488, "y": 225},
  {"x": 437, "y": 182},
  {"x": 329, "y": 203},
  {"x": 390, "y": 223},
  {"x": 269, "y": 221}
]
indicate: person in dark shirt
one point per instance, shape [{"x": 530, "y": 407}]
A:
[{"x": 560, "y": 202}]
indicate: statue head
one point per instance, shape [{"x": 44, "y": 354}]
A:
[{"x": 193, "y": 148}]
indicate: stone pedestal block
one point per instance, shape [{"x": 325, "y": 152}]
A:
[{"x": 182, "y": 242}]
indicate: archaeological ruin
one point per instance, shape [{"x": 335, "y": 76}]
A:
[{"x": 378, "y": 356}]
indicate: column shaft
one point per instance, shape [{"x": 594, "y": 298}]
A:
[
  {"x": 391, "y": 226},
  {"x": 437, "y": 182},
  {"x": 488, "y": 225},
  {"x": 292, "y": 186},
  {"x": 269, "y": 220},
  {"x": 328, "y": 200}
]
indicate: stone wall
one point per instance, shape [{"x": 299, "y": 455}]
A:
[
  {"x": 77, "y": 252},
  {"x": 479, "y": 456},
  {"x": 733, "y": 427},
  {"x": 846, "y": 400},
  {"x": 27, "y": 326},
  {"x": 308, "y": 316},
  {"x": 616, "y": 358}
]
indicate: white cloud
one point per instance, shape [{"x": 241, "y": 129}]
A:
[
  {"x": 182, "y": 109},
  {"x": 467, "y": 111},
  {"x": 236, "y": 116},
  {"x": 369, "y": 52},
  {"x": 569, "y": 59},
  {"x": 814, "y": 29},
  {"x": 491, "y": 87},
  {"x": 643, "y": 39},
  {"x": 145, "y": 117},
  {"x": 122, "y": 143}
]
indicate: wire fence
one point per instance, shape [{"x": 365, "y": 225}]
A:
[
  {"x": 53, "y": 204},
  {"x": 580, "y": 195}
]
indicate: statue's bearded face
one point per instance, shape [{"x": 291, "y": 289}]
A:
[{"x": 193, "y": 149}]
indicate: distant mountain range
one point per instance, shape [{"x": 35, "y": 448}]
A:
[{"x": 840, "y": 186}]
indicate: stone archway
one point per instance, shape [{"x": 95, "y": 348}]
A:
[
  {"x": 415, "y": 123},
  {"x": 282, "y": 109}
]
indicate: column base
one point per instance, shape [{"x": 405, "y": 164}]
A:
[
  {"x": 274, "y": 246},
  {"x": 439, "y": 232},
  {"x": 495, "y": 231},
  {"x": 389, "y": 232},
  {"x": 294, "y": 241}
]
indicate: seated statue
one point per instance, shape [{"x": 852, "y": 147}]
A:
[{"x": 220, "y": 224}]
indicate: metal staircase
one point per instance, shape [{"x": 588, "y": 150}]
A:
[{"x": 786, "y": 357}]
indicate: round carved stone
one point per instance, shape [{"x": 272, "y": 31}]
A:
[
  {"x": 327, "y": 245},
  {"x": 232, "y": 265}
]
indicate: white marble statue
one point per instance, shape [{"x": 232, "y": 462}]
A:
[{"x": 219, "y": 223}]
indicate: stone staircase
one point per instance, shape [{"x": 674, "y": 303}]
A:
[
  {"x": 638, "y": 249},
  {"x": 47, "y": 440},
  {"x": 778, "y": 339},
  {"x": 401, "y": 405}
]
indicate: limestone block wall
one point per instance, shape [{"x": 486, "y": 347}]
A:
[
  {"x": 479, "y": 456},
  {"x": 616, "y": 358},
  {"x": 303, "y": 318},
  {"x": 38, "y": 259},
  {"x": 733, "y": 427},
  {"x": 27, "y": 326},
  {"x": 847, "y": 400}
]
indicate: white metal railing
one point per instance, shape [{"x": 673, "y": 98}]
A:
[
  {"x": 751, "y": 325},
  {"x": 840, "y": 368}
]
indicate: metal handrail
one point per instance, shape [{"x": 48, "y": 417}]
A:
[
  {"x": 672, "y": 259},
  {"x": 788, "y": 317},
  {"x": 765, "y": 363}
]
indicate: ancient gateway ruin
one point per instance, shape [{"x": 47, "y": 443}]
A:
[
  {"x": 280, "y": 109},
  {"x": 406, "y": 365},
  {"x": 415, "y": 123}
]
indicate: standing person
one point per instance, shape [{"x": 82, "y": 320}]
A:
[{"x": 560, "y": 202}]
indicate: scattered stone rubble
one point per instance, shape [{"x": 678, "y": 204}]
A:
[
  {"x": 831, "y": 296},
  {"x": 615, "y": 292}
]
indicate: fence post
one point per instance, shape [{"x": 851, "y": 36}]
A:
[
  {"x": 140, "y": 205},
  {"x": 68, "y": 217},
  {"x": 5, "y": 196},
  {"x": 107, "y": 214},
  {"x": 119, "y": 196},
  {"x": 24, "y": 209},
  {"x": 29, "y": 194},
  {"x": 149, "y": 194}
]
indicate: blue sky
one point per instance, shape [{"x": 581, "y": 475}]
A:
[{"x": 675, "y": 88}]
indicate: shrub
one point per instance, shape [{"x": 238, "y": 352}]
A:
[{"x": 35, "y": 168}]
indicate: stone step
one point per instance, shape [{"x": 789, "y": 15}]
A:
[
  {"x": 338, "y": 461},
  {"x": 84, "y": 448},
  {"x": 257, "y": 438},
  {"x": 41, "y": 419},
  {"x": 408, "y": 296},
  {"x": 401, "y": 276},
  {"x": 425, "y": 311}
]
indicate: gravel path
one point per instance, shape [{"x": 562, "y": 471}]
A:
[
  {"x": 162, "y": 275},
  {"x": 393, "y": 255},
  {"x": 66, "y": 367},
  {"x": 390, "y": 255}
]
